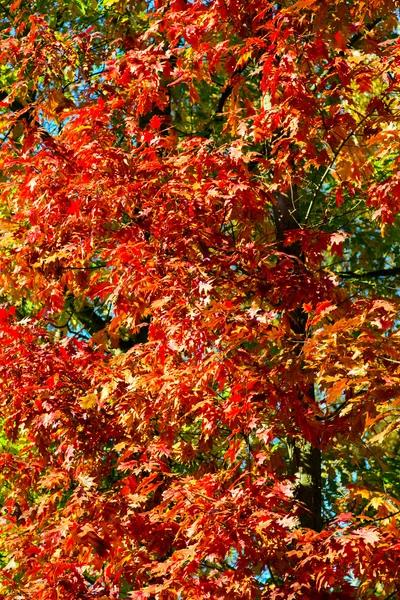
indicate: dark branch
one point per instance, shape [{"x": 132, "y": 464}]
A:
[
  {"x": 363, "y": 32},
  {"x": 223, "y": 98},
  {"x": 370, "y": 274}
]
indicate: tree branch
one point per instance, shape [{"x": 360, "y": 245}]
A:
[{"x": 370, "y": 274}]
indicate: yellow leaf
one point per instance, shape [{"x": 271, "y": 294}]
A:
[
  {"x": 381, "y": 436},
  {"x": 89, "y": 400},
  {"x": 376, "y": 502}
]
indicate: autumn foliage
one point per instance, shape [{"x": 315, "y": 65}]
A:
[{"x": 200, "y": 347}]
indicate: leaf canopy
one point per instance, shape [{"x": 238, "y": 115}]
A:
[{"x": 200, "y": 350}]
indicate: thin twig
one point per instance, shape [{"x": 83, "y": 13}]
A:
[{"x": 329, "y": 167}]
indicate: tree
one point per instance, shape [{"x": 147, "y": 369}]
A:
[{"x": 199, "y": 357}]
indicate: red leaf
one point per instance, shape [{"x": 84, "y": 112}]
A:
[{"x": 155, "y": 122}]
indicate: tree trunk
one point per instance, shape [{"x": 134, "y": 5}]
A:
[
  {"x": 306, "y": 467},
  {"x": 305, "y": 460}
]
